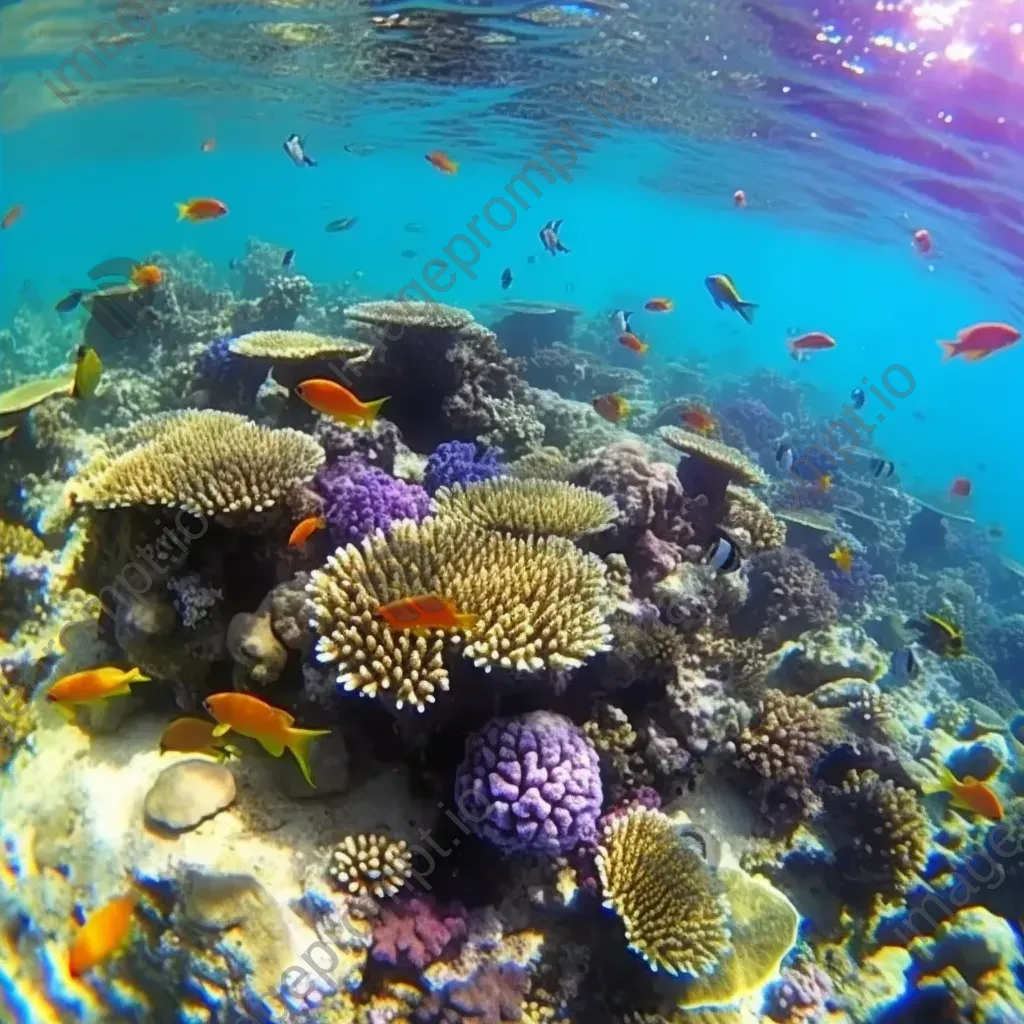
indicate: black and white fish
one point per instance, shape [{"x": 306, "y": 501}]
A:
[
  {"x": 859, "y": 398},
  {"x": 506, "y": 278},
  {"x": 784, "y": 457},
  {"x": 907, "y": 663},
  {"x": 723, "y": 554},
  {"x": 549, "y": 237},
  {"x": 289, "y": 258},
  {"x": 296, "y": 149},
  {"x": 882, "y": 469},
  {"x": 620, "y": 321}
]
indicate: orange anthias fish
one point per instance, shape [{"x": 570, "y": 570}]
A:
[
  {"x": 659, "y": 305},
  {"x": 842, "y": 555},
  {"x": 102, "y": 935},
  {"x": 425, "y": 612},
  {"x": 923, "y": 241},
  {"x": 816, "y": 341},
  {"x": 94, "y": 684},
  {"x": 613, "y": 408},
  {"x": 304, "y": 530},
  {"x": 444, "y": 163},
  {"x": 201, "y": 209},
  {"x": 147, "y": 275},
  {"x": 192, "y": 736},
  {"x": 271, "y": 727},
  {"x": 700, "y": 421},
  {"x": 633, "y": 343},
  {"x": 980, "y": 341},
  {"x": 970, "y": 795},
  {"x": 11, "y": 216},
  {"x": 338, "y": 402},
  {"x": 209, "y": 145},
  {"x": 739, "y": 198},
  {"x": 960, "y": 488}
]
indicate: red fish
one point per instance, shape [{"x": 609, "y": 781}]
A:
[
  {"x": 11, "y": 216},
  {"x": 425, "y": 612},
  {"x": 923, "y": 241},
  {"x": 739, "y": 198},
  {"x": 633, "y": 343},
  {"x": 201, "y": 209},
  {"x": 659, "y": 305},
  {"x": 209, "y": 145},
  {"x": 613, "y": 408},
  {"x": 816, "y": 341},
  {"x": 700, "y": 421},
  {"x": 442, "y": 161},
  {"x": 980, "y": 341},
  {"x": 960, "y": 488},
  {"x": 305, "y": 530}
]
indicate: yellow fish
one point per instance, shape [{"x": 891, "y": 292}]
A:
[
  {"x": 93, "y": 685},
  {"x": 87, "y": 372},
  {"x": 939, "y": 636},
  {"x": 195, "y": 736},
  {"x": 843, "y": 557}
]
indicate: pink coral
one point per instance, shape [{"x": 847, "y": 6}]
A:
[{"x": 418, "y": 930}]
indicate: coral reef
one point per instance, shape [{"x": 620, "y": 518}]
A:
[
  {"x": 417, "y": 930},
  {"x": 370, "y": 865},
  {"x": 460, "y": 462}
]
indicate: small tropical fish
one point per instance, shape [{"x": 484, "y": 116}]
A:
[
  {"x": 939, "y": 635},
  {"x": 289, "y": 258},
  {"x": 614, "y": 408},
  {"x": 103, "y": 934},
  {"x": 700, "y": 421},
  {"x": 907, "y": 662},
  {"x": 620, "y": 320},
  {"x": 296, "y": 150},
  {"x": 193, "y": 736},
  {"x": 359, "y": 148},
  {"x": 409, "y": 253},
  {"x": 859, "y": 398},
  {"x": 146, "y": 275},
  {"x": 960, "y": 488},
  {"x": 882, "y": 469},
  {"x": 271, "y": 727},
  {"x": 969, "y": 795},
  {"x": 506, "y": 278},
  {"x": 842, "y": 555},
  {"x": 531, "y": 259},
  {"x": 208, "y": 146},
  {"x": 13, "y": 214},
  {"x": 919, "y": 416},
  {"x": 633, "y": 343},
  {"x": 723, "y": 290},
  {"x": 338, "y": 402},
  {"x": 341, "y": 224},
  {"x": 659, "y": 305},
  {"x": 980, "y": 341},
  {"x": 923, "y": 241},
  {"x": 723, "y": 554},
  {"x": 94, "y": 684},
  {"x": 71, "y": 301},
  {"x": 304, "y": 530},
  {"x": 201, "y": 209},
  {"x": 88, "y": 369},
  {"x": 996, "y": 531},
  {"x": 784, "y": 457},
  {"x": 444, "y": 163},
  {"x": 824, "y": 483},
  {"x": 815, "y": 341},
  {"x": 413, "y": 228},
  {"x": 425, "y": 612},
  {"x": 739, "y": 198},
  {"x": 549, "y": 237}
]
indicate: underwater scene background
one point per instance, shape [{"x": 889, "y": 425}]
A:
[{"x": 511, "y": 545}]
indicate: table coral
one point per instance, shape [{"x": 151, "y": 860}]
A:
[
  {"x": 370, "y": 865},
  {"x": 460, "y": 462},
  {"x": 531, "y": 784}
]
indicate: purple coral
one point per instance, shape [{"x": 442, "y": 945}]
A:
[
  {"x": 418, "y": 930},
  {"x": 855, "y": 587},
  {"x": 802, "y": 992},
  {"x": 530, "y": 784},
  {"x": 460, "y": 462},
  {"x": 359, "y": 499}
]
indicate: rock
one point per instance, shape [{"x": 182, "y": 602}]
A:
[
  {"x": 258, "y": 655},
  {"x": 188, "y": 793},
  {"x": 825, "y": 656}
]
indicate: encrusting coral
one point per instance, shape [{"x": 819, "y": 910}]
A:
[
  {"x": 526, "y": 507},
  {"x": 540, "y": 603},
  {"x": 203, "y": 462},
  {"x": 669, "y": 902},
  {"x": 370, "y": 865}
]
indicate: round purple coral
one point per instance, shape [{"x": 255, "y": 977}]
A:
[
  {"x": 460, "y": 462},
  {"x": 530, "y": 784},
  {"x": 359, "y": 499}
]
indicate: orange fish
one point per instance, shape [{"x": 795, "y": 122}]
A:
[
  {"x": 613, "y": 408},
  {"x": 338, "y": 402},
  {"x": 192, "y": 736},
  {"x": 923, "y": 241},
  {"x": 201, "y": 209},
  {"x": 842, "y": 555},
  {"x": 970, "y": 795},
  {"x": 147, "y": 275},
  {"x": 816, "y": 341},
  {"x": 305, "y": 530},
  {"x": 633, "y": 343},
  {"x": 824, "y": 483},
  {"x": 659, "y": 305},
  {"x": 444, "y": 163},
  {"x": 960, "y": 488},
  {"x": 700, "y": 421},
  {"x": 425, "y": 612},
  {"x": 94, "y": 684},
  {"x": 102, "y": 935},
  {"x": 11, "y": 216},
  {"x": 980, "y": 341},
  {"x": 739, "y": 198},
  {"x": 209, "y": 145},
  {"x": 271, "y": 727}
]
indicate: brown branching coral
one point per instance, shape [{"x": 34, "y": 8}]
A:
[
  {"x": 749, "y": 514},
  {"x": 370, "y": 865},
  {"x": 540, "y": 602},
  {"x": 545, "y": 508},
  {"x": 668, "y": 900},
  {"x": 203, "y": 462}
]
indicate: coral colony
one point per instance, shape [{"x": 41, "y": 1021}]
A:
[{"x": 505, "y": 743}]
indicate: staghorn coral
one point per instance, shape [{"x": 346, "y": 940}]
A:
[
  {"x": 540, "y": 604},
  {"x": 668, "y": 900},
  {"x": 460, "y": 462},
  {"x": 417, "y": 930},
  {"x": 749, "y": 515},
  {"x": 531, "y": 784},
  {"x": 526, "y": 507},
  {"x": 203, "y": 462},
  {"x": 374, "y": 865}
]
